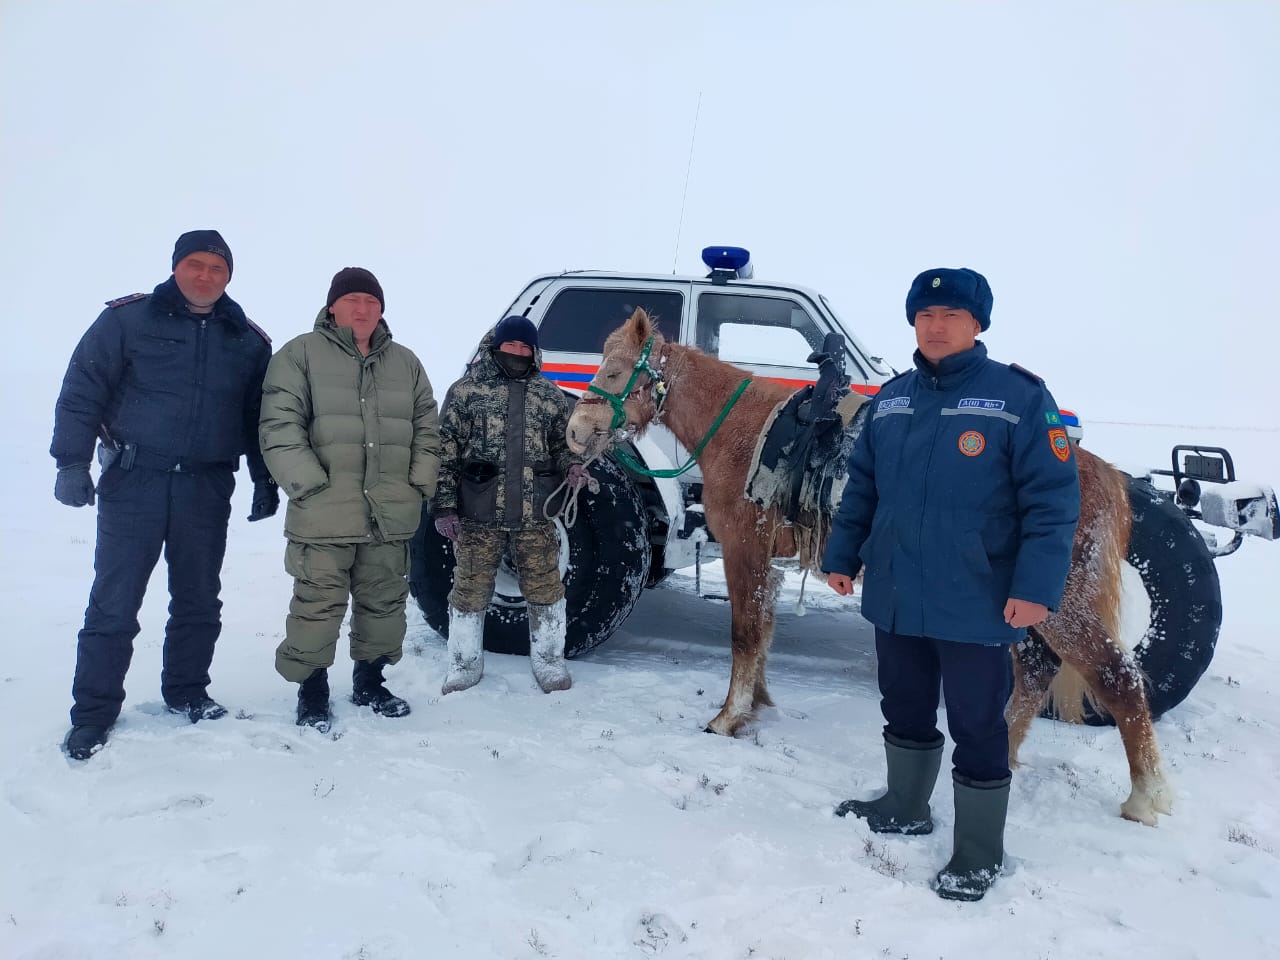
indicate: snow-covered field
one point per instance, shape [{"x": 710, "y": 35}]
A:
[
  {"x": 1111, "y": 171},
  {"x": 599, "y": 822}
]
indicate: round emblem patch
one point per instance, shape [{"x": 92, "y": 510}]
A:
[{"x": 972, "y": 443}]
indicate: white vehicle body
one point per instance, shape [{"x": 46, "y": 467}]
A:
[{"x": 769, "y": 329}]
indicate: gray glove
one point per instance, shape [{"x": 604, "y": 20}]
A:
[
  {"x": 74, "y": 486},
  {"x": 578, "y": 476},
  {"x": 448, "y": 525}
]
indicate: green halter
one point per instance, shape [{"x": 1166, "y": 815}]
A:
[
  {"x": 617, "y": 399},
  {"x": 660, "y": 394}
]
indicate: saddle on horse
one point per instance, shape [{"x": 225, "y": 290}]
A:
[{"x": 802, "y": 453}]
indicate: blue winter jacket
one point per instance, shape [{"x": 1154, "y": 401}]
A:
[
  {"x": 185, "y": 388},
  {"x": 962, "y": 493}
]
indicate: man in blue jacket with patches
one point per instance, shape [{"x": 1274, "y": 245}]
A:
[
  {"x": 960, "y": 509},
  {"x": 169, "y": 384}
]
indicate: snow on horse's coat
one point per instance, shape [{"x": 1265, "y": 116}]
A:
[{"x": 1083, "y": 633}]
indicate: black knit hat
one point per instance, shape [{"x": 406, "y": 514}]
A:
[
  {"x": 962, "y": 288},
  {"x": 355, "y": 280},
  {"x": 515, "y": 328},
  {"x": 202, "y": 241}
]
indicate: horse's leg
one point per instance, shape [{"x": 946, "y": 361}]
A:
[
  {"x": 746, "y": 571},
  {"x": 1034, "y": 667},
  {"x": 768, "y": 612},
  {"x": 1116, "y": 682}
]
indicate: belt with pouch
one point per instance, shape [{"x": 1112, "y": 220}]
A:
[{"x": 129, "y": 455}]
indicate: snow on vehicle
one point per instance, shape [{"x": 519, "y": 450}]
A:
[{"x": 639, "y": 527}]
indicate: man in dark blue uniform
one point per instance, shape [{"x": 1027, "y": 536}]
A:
[
  {"x": 169, "y": 384},
  {"x": 960, "y": 509}
]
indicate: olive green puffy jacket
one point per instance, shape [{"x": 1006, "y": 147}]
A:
[{"x": 353, "y": 441}]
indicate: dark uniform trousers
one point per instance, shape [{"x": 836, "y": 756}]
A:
[
  {"x": 478, "y": 552},
  {"x": 141, "y": 512},
  {"x": 976, "y": 681}
]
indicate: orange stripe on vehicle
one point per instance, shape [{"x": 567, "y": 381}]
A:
[
  {"x": 571, "y": 367},
  {"x": 867, "y": 389}
]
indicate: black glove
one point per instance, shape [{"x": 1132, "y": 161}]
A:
[
  {"x": 266, "y": 500},
  {"x": 448, "y": 525},
  {"x": 74, "y": 486}
]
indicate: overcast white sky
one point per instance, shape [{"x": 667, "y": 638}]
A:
[{"x": 1110, "y": 167}]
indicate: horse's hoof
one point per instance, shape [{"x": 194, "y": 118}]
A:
[
  {"x": 728, "y": 731},
  {"x": 1139, "y": 810}
]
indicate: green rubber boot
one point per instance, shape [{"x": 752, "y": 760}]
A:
[
  {"x": 978, "y": 851},
  {"x": 904, "y": 808}
]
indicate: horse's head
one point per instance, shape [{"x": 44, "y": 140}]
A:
[{"x": 626, "y": 394}]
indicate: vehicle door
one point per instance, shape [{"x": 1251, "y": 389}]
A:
[{"x": 770, "y": 332}]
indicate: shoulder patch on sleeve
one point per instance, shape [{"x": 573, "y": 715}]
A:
[
  {"x": 258, "y": 330},
  {"x": 1026, "y": 373},
  {"x": 121, "y": 301}
]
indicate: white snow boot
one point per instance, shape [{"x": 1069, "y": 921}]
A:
[
  {"x": 546, "y": 646},
  {"x": 466, "y": 650}
]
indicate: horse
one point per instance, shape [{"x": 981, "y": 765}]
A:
[{"x": 644, "y": 379}]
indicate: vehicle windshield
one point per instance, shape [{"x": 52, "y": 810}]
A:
[{"x": 876, "y": 362}]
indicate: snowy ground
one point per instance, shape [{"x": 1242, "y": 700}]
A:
[{"x": 599, "y": 822}]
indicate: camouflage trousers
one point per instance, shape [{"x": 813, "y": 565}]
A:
[
  {"x": 324, "y": 575},
  {"x": 478, "y": 551}
]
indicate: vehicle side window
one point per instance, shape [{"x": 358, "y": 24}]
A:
[
  {"x": 580, "y": 318},
  {"x": 749, "y": 329}
]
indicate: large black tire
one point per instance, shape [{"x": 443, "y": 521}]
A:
[
  {"x": 1182, "y": 587},
  {"x": 607, "y": 556}
]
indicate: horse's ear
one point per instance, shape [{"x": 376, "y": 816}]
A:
[{"x": 640, "y": 327}]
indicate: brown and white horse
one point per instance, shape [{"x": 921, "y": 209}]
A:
[{"x": 643, "y": 379}]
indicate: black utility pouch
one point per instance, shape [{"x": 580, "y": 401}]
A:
[
  {"x": 546, "y": 478},
  {"x": 478, "y": 491}
]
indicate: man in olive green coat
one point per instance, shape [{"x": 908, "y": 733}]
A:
[{"x": 350, "y": 432}]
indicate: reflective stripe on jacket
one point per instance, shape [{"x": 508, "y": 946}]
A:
[{"x": 962, "y": 493}]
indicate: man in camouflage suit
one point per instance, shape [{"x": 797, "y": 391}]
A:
[{"x": 504, "y": 453}]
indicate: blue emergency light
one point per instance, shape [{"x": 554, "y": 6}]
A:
[{"x": 728, "y": 263}]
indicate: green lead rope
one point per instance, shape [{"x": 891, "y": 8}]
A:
[{"x": 688, "y": 465}]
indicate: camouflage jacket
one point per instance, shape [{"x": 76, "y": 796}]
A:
[{"x": 504, "y": 448}]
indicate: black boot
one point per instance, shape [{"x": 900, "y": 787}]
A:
[
  {"x": 904, "y": 808},
  {"x": 199, "y": 707},
  {"x": 83, "y": 742},
  {"x": 978, "y": 851},
  {"x": 313, "y": 701},
  {"x": 367, "y": 689}
]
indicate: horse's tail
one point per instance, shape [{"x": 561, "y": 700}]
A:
[
  {"x": 1105, "y": 520},
  {"x": 1102, "y": 543},
  {"x": 1068, "y": 693}
]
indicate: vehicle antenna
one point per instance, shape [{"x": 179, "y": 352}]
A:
[{"x": 689, "y": 169}]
